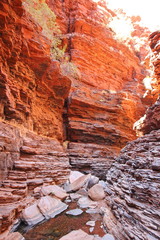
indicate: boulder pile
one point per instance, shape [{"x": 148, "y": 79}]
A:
[{"x": 50, "y": 200}]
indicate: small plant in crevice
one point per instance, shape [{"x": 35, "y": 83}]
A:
[
  {"x": 70, "y": 69},
  {"x": 46, "y": 18}
]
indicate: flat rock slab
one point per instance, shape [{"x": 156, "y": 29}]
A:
[
  {"x": 50, "y": 207},
  {"x": 85, "y": 202},
  {"x": 14, "y": 236},
  {"x": 77, "y": 235},
  {"x": 32, "y": 215},
  {"x": 75, "y": 212},
  {"x": 78, "y": 183},
  {"x": 55, "y": 190}
]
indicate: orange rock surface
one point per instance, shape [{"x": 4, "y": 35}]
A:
[{"x": 106, "y": 97}]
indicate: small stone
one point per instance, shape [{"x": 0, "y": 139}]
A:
[
  {"x": 90, "y": 223},
  {"x": 85, "y": 202},
  {"x": 92, "y": 211},
  {"x": 108, "y": 237},
  {"x": 91, "y": 229},
  {"x": 74, "y": 212},
  {"x": 77, "y": 235}
]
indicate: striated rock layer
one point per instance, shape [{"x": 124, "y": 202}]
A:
[
  {"x": 39, "y": 109},
  {"x": 107, "y": 97},
  {"x": 134, "y": 179},
  {"x": 27, "y": 161},
  {"x": 133, "y": 183},
  {"x": 32, "y": 94}
]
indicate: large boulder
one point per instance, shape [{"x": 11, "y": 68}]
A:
[
  {"x": 32, "y": 215},
  {"x": 78, "y": 183},
  {"x": 74, "y": 175},
  {"x": 50, "y": 207},
  {"x": 54, "y": 190},
  {"x": 96, "y": 192}
]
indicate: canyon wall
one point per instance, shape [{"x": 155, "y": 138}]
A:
[
  {"x": 106, "y": 96},
  {"x": 133, "y": 180},
  {"x": 70, "y": 91},
  {"x": 32, "y": 88}
]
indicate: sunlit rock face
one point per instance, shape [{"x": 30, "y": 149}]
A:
[
  {"x": 32, "y": 87},
  {"x": 106, "y": 97},
  {"x": 151, "y": 120},
  {"x": 133, "y": 180}
]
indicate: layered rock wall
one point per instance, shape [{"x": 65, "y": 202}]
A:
[
  {"x": 32, "y": 87},
  {"x": 106, "y": 97},
  {"x": 134, "y": 179}
]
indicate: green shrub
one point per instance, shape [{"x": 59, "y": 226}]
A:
[{"x": 46, "y": 18}]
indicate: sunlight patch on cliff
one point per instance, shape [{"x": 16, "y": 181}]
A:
[
  {"x": 122, "y": 27},
  {"x": 147, "y": 10}
]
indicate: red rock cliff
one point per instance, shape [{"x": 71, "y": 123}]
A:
[
  {"x": 133, "y": 180},
  {"x": 65, "y": 79},
  {"x": 106, "y": 98}
]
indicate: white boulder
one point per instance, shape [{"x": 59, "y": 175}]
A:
[
  {"x": 50, "y": 207},
  {"x": 32, "y": 215},
  {"x": 55, "y": 190},
  {"x": 74, "y": 175},
  {"x": 96, "y": 192}
]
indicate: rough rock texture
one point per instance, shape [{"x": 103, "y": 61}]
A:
[
  {"x": 94, "y": 122},
  {"x": 151, "y": 120},
  {"x": 27, "y": 160},
  {"x": 134, "y": 179},
  {"x": 106, "y": 96},
  {"x": 107, "y": 88},
  {"x": 32, "y": 86}
]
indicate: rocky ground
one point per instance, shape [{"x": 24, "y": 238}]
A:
[{"x": 87, "y": 191}]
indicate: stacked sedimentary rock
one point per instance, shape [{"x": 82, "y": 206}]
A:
[
  {"x": 106, "y": 97},
  {"x": 27, "y": 161},
  {"x": 134, "y": 180}
]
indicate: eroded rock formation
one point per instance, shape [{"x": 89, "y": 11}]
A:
[
  {"x": 133, "y": 180},
  {"x": 82, "y": 88},
  {"x": 106, "y": 98}
]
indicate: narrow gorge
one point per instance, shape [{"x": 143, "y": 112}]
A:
[{"x": 78, "y": 93}]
